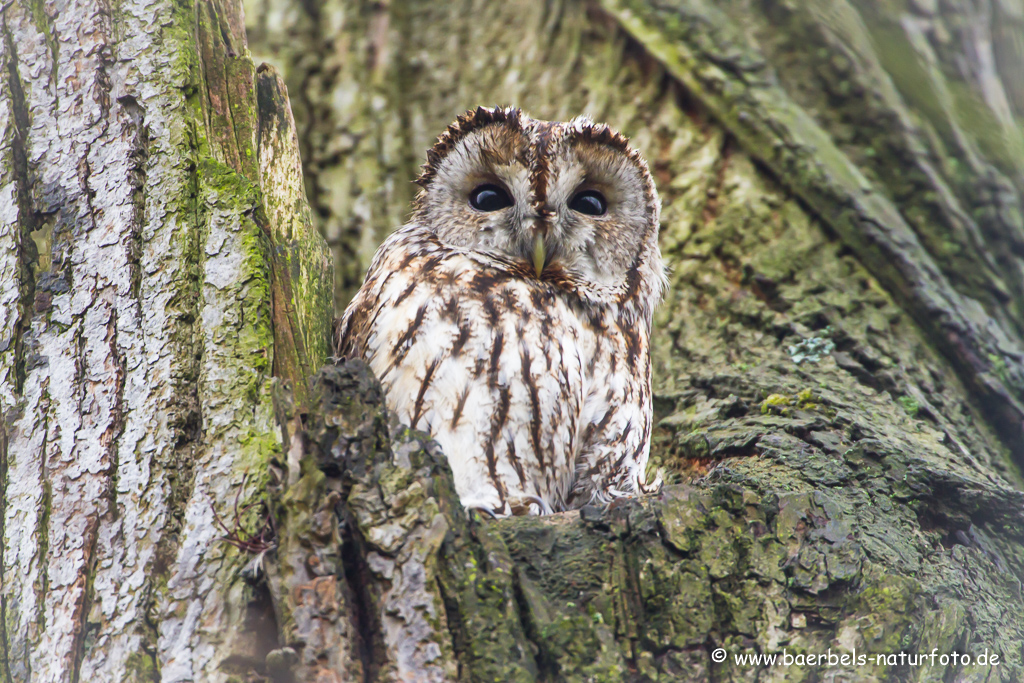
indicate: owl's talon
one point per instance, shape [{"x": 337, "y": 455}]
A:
[
  {"x": 482, "y": 508},
  {"x": 545, "y": 509}
]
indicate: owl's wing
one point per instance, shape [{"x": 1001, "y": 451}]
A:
[
  {"x": 350, "y": 330},
  {"x": 353, "y": 328}
]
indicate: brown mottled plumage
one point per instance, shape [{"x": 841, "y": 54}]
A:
[{"x": 511, "y": 316}]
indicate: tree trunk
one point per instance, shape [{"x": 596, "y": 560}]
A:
[
  {"x": 157, "y": 267},
  {"x": 839, "y": 364}
]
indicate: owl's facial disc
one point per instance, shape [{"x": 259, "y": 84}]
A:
[
  {"x": 480, "y": 199},
  {"x": 567, "y": 195}
]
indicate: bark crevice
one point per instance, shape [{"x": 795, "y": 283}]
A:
[
  {"x": 25, "y": 262},
  {"x": 27, "y": 257},
  {"x": 135, "y": 115},
  {"x": 368, "y": 644},
  {"x": 546, "y": 666},
  {"x": 185, "y": 419}
]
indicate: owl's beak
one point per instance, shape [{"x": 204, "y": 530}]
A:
[{"x": 539, "y": 252}]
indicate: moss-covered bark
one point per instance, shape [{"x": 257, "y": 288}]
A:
[
  {"x": 158, "y": 270},
  {"x": 838, "y": 364},
  {"x": 834, "y": 536}
]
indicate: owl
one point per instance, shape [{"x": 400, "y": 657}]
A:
[{"x": 510, "y": 317}]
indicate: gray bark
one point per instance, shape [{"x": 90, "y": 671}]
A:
[{"x": 138, "y": 319}]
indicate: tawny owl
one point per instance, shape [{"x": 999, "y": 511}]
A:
[{"x": 510, "y": 317}]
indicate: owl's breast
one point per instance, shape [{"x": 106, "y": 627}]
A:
[{"x": 489, "y": 363}]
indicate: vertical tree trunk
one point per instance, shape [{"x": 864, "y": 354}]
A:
[{"x": 156, "y": 268}]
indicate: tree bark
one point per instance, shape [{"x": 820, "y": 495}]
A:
[
  {"x": 157, "y": 266},
  {"x": 839, "y": 375},
  {"x": 839, "y": 363}
]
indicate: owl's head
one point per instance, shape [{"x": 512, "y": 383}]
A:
[{"x": 568, "y": 202}]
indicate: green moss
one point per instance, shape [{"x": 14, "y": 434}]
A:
[
  {"x": 776, "y": 404},
  {"x": 141, "y": 666},
  {"x": 186, "y": 69},
  {"x": 481, "y": 599},
  {"x": 884, "y": 611},
  {"x": 999, "y": 368},
  {"x": 909, "y": 404}
]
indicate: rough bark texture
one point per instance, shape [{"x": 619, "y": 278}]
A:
[
  {"x": 839, "y": 362},
  {"x": 151, "y": 219}
]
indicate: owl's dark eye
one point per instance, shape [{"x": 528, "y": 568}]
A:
[
  {"x": 590, "y": 202},
  {"x": 489, "y": 198}
]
